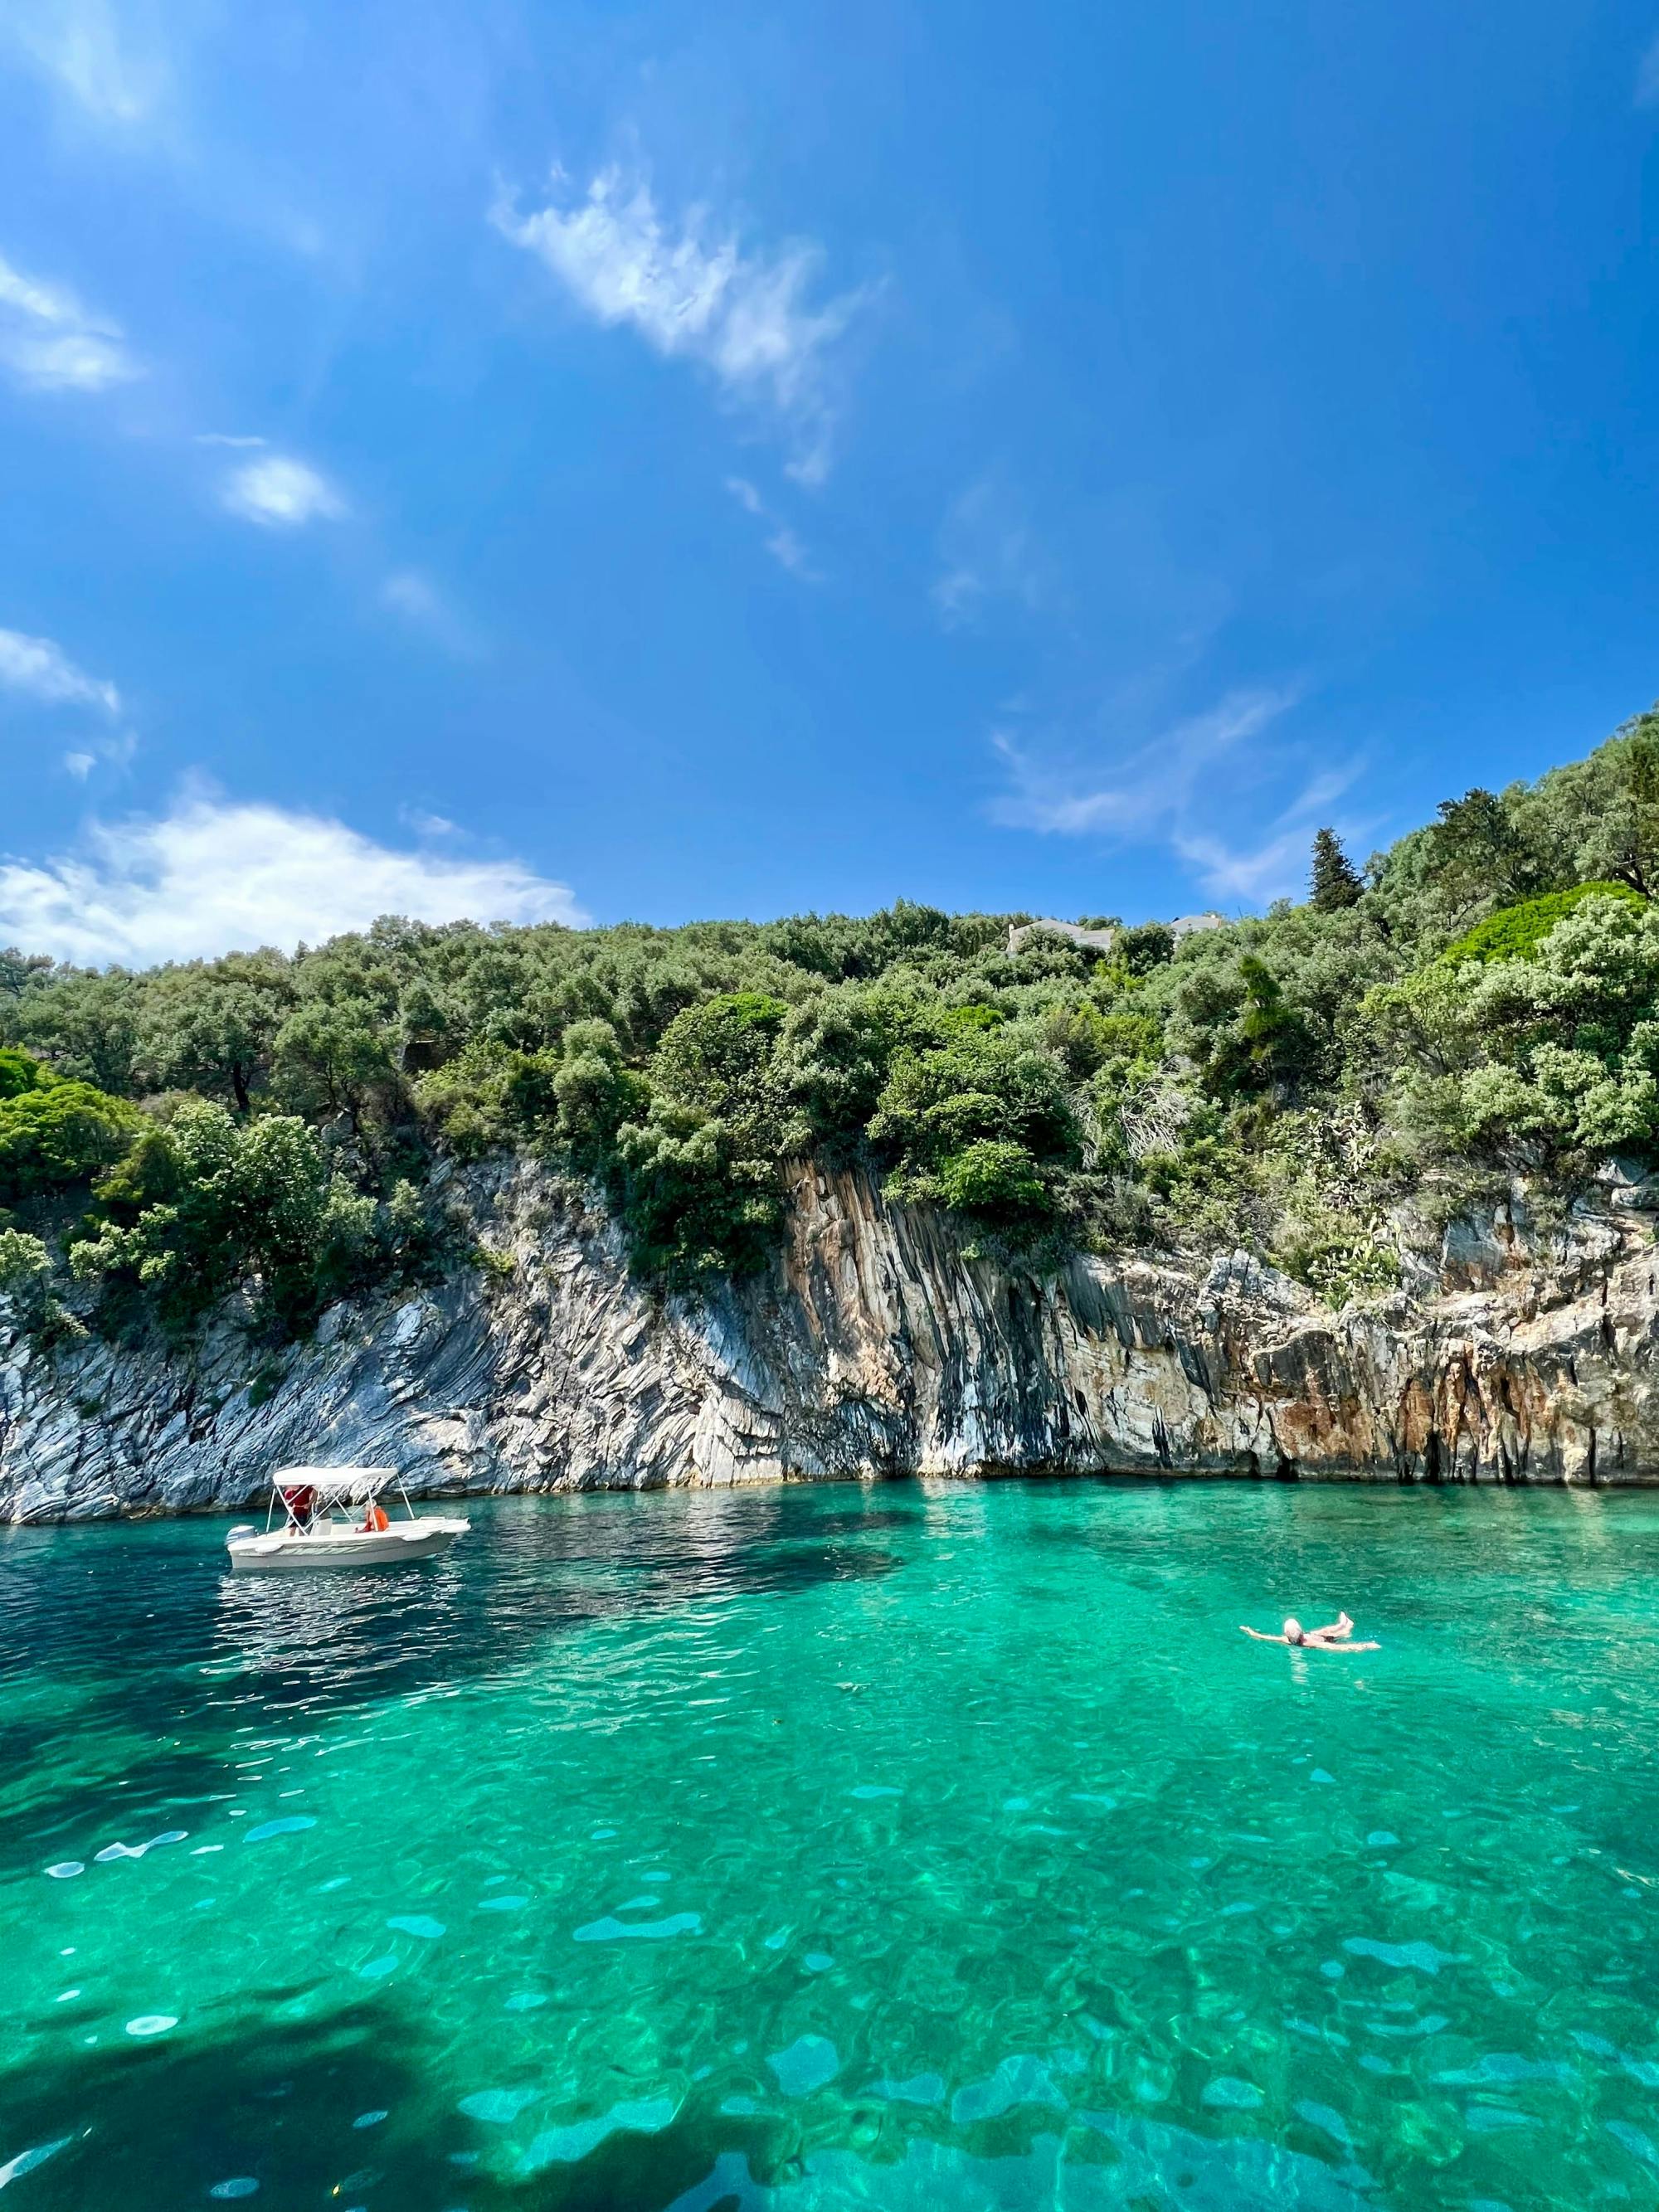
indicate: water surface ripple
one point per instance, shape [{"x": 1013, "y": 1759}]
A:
[{"x": 930, "y": 1845}]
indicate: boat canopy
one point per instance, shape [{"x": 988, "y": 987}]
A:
[{"x": 356, "y": 1484}]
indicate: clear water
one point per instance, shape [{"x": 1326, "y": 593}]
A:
[{"x": 918, "y": 1846}]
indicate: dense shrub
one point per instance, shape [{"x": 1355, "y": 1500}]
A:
[
  {"x": 981, "y": 1121},
  {"x": 19, "y": 1073},
  {"x": 58, "y": 1134},
  {"x": 205, "y": 1204},
  {"x": 24, "y": 1262},
  {"x": 1481, "y": 998},
  {"x": 1514, "y": 932}
]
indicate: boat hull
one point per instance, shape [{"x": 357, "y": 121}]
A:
[{"x": 285, "y": 1552}]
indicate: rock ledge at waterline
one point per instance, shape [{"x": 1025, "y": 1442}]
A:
[{"x": 873, "y": 1347}]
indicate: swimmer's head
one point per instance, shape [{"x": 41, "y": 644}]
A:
[{"x": 1293, "y": 1632}]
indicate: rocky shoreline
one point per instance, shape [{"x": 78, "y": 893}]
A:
[{"x": 875, "y": 1347}]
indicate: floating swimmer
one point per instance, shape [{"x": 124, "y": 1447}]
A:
[{"x": 1335, "y": 1636}]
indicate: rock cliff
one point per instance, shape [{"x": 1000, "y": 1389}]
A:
[{"x": 876, "y": 1345}]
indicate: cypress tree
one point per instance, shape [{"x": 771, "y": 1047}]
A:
[{"x": 1335, "y": 879}]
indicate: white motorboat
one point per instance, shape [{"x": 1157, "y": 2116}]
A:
[{"x": 333, "y": 1516}]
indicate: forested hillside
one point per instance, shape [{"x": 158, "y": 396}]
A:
[{"x": 1315, "y": 1084}]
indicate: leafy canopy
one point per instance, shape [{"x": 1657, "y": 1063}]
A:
[{"x": 1311, "y": 1082}]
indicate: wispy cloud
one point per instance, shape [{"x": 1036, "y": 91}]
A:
[
  {"x": 988, "y": 550},
  {"x": 1250, "y": 875},
  {"x": 224, "y": 438},
  {"x": 688, "y": 288},
  {"x": 788, "y": 551},
  {"x": 281, "y": 493},
  {"x": 1275, "y": 865},
  {"x": 1647, "y": 77},
  {"x": 215, "y": 874},
  {"x": 786, "y": 548},
  {"x": 49, "y": 340},
  {"x": 114, "y": 751},
  {"x": 1186, "y": 787},
  {"x": 39, "y": 669},
  {"x": 103, "y": 55},
  {"x": 418, "y": 601},
  {"x": 1148, "y": 792}
]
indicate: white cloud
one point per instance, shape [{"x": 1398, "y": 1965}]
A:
[
  {"x": 786, "y": 548},
  {"x": 419, "y": 601},
  {"x": 215, "y": 875},
  {"x": 1278, "y": 866},
  {"x": 48, "y": 339},
  {"x": 690, "y": 289},
  {"x": 988, "y": 550},
  {"x": 408, "y": 593},
  {"x": 115, "y": 751},
  {"x": 1647, "y": 77},
  {"x": 110, "y": 58},
  {"x": 281, "y": 493},
  {"x": 1152, "y": 790},
  {"x": 40, "y": 668},
  {"x": 1252, "y": 876},
  {"x": 1190, "y": 787},
  {"x": 224, "y": 438}
]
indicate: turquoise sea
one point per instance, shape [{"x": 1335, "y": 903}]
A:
[{"x": 909, "y": 1846}]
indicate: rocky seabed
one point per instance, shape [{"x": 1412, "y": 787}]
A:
[{"x": 875, "y": 1347}]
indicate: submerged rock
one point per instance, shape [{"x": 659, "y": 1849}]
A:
[{"x": 876, "y": 1344}]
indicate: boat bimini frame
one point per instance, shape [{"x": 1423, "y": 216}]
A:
[{"x": 329, "y": 1516}]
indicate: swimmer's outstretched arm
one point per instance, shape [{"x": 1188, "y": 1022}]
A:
[
  {"x": 1319, "y": 1641},
  {"x": 1259, "y": 1637}
]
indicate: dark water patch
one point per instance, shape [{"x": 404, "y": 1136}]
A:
[
  {"x": 938, "y": 1845},
  {"x": 223, "y": 1657}
]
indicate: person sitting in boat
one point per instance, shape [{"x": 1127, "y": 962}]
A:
[
  {"x": 1335, "y": 1636},
  {"x": 375, "y": 1520}
]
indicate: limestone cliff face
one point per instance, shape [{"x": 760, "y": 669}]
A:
[{"x": 873, "y": 1347}]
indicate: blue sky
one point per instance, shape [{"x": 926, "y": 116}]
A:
[{"x": 607, "y": 462}]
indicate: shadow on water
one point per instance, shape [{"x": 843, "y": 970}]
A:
[
  {"x": 335, "y": 2110},
  {"x": 118, "y": 1643},
  {"x": 339, "y": 2111}
]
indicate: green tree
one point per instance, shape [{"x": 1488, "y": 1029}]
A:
[
  {"x": 20, "y": 1072},
  {"x": 1336, "y": 882},
  {"x": 1265, "y": 1044},
  {"x": 836, "y": 1049},
  {"x": 86, "y": 1025},
  {"x": 331, "y": 1058},
  {"x": 210, "y": 1026},
  {"x": 204, "y": 1203},
  {"x": 21, "y": 971},
  {"x": 1600, "y": 817},
  {"x": 719, "y": 1055},
  {"x": 56, "y": 1136},
  {"x": 24, "y": 1263},
  {"x": 983, "y": 1122},
  {"x": 594, "y": 1094},
  {"x": 696, "y": 1201}
]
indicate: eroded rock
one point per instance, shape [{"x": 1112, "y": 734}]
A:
[{"x": 874, "y": 1347}]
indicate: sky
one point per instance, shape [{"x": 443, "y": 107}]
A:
[{"x": 589, "y": 463}]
